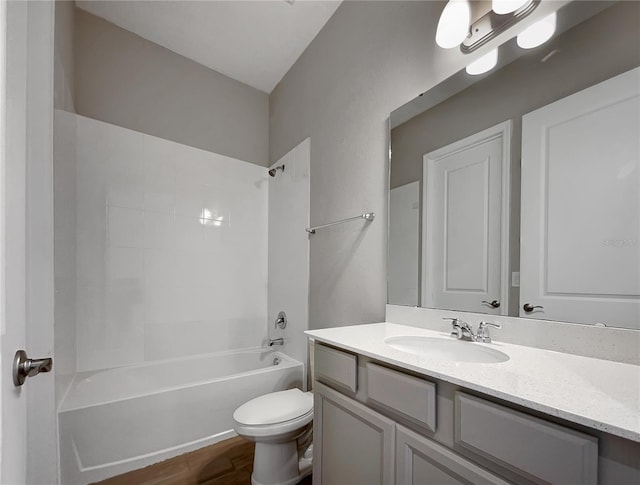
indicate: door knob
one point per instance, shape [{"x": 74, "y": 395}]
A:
[
  {"x": 24, "y": 367},
  {"x": 528, "y": 307},
  {"x": 492, "y": 304}
]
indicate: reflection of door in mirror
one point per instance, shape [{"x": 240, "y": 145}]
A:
[
  {"x": 465, "y": 220},
  {"x": 404, "y": 229},
  {"x": 581, "y": 206}
]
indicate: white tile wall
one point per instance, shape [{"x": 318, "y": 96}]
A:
[
  {"x": 289, "y": 249},
  {"x": 171, "y": 249}
]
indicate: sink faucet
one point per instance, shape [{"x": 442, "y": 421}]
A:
[
  {"x": 275, "y": 341},
  {"x": 483, "y": 331},
  {"x": 461, "y": 330}
]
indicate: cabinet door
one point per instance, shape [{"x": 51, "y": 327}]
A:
[
  {"x": 420, "y": 460},
  {"x": 352, "y": 444}
]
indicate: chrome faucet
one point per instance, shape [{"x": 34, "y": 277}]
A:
[
  {"x": 461, "y": 330},
  {"x": 483, "y": 331},
  {"x": 275, "y": 341}
]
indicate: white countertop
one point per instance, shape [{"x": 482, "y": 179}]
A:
[{"x": 600, "y": 394}]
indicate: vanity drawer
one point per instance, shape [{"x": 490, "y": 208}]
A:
[
  {"x": 408, "y": 396},
  {"x": 336, "y": 367},
  {"x": 542, "y": 452}
]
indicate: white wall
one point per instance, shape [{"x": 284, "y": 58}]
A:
[
  {"x": 289, "y": 250},
  {"x": 171, "y": 249}
]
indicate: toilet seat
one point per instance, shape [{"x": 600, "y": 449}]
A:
[{"x": 274, "y": 414}]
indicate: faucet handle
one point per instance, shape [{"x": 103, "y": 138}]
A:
[
  {"x": 483, "y": 331},
  {"x": 454, "y": 320},
  {"x": 460, "y": 329},
  {"x": 281, "y": 320}
]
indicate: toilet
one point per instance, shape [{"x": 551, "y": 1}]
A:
[{"x": 280, "y": 424}]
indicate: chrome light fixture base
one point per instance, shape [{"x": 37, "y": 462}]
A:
[{"x": 490, "y": 25}]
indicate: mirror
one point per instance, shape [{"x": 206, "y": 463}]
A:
[{"x": 540, "y": 155}]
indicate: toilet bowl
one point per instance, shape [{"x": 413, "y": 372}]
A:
[{"x": 280, "y": 425}]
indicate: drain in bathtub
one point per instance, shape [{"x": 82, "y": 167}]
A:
[{"x": 276, "y": 360}]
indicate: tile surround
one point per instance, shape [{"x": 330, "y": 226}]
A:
[
  {"x": 65, "y": 251},
  {"x": 288, "y": 288},
  {"x": 171, "y": 248}
]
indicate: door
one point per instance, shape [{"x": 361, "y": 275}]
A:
[
  {"x": 27, "y": 428},
  {"x": 580, "y": 235},
  {"x": 13, "y": 461},
  {"x": 465, "y": 231},
  {"x": 352, "y": 443}
]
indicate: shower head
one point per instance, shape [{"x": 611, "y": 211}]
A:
[{"x": 273, "y": 171}]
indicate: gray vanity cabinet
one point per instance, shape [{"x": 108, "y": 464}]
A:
[
  {"x": 421, "y": 461},
  {"x": 352, "y": 444},
  {"x": 378, "y": 424}
]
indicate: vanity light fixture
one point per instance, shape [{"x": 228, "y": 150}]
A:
[
  {"x": 453, "y": 26},
  {"x": 484, "y": 63},
  {"x": 538, "y": 33},
  {"x": 503, "y": 7}
]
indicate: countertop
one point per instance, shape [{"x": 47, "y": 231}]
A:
[{"x": 599, "y": 394}]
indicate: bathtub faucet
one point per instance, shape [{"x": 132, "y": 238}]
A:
[{"x": 276, "y": 341}]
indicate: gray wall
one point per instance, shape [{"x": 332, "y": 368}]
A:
[
  {"x": 370, "y": 58},
  {"x": 126, "y": 80}
]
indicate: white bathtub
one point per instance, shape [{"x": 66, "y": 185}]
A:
[{"x": 118, "y": 420}]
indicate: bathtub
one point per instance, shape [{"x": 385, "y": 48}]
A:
[{"x": 118, "y": 420}]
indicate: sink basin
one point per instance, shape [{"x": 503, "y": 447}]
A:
[{"x": 443, "y": 349}]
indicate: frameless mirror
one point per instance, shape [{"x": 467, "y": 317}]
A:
[{"x": 517, "y": 192}]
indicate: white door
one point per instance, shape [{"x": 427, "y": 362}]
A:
[
  {"x": 27, "y": 428},
  {"x": 465, "y": 223},
  {"x": 580, "y": 236}
]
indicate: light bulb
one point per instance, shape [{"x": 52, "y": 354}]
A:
[
  {"x": 507, "y": 6},
  {"x": 483, "y": 64},
  {"x": 453, "y": 26},
  {"x": 538, "y": 33}
]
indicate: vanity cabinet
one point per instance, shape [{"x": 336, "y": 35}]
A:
[
  {"x": 420, "y": 460},
  {"x": 356, "y": 445},
  {"x": 375, "y": 424},
  {"x": 352, "y": 443}
]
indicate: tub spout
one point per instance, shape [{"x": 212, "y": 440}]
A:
[{"x": 275, "y": 341}]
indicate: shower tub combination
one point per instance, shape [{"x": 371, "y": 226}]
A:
[{"x": 122, "y": 419}]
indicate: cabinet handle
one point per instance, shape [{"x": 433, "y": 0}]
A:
[{"x": 528, "y": 307}]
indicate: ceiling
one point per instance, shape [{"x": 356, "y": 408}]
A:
[{"x": 254, "y": 42}]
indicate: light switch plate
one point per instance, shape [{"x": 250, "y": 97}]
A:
[{"x": 515, "y": 279}]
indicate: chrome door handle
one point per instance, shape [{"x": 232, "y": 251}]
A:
[
  {"x": 24, "y": 367},
  {"x": 528, "y": 307},
  {"x": 492, "y": 304}
]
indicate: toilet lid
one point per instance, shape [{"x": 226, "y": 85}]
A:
[{"x": 276, "y": 407}]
